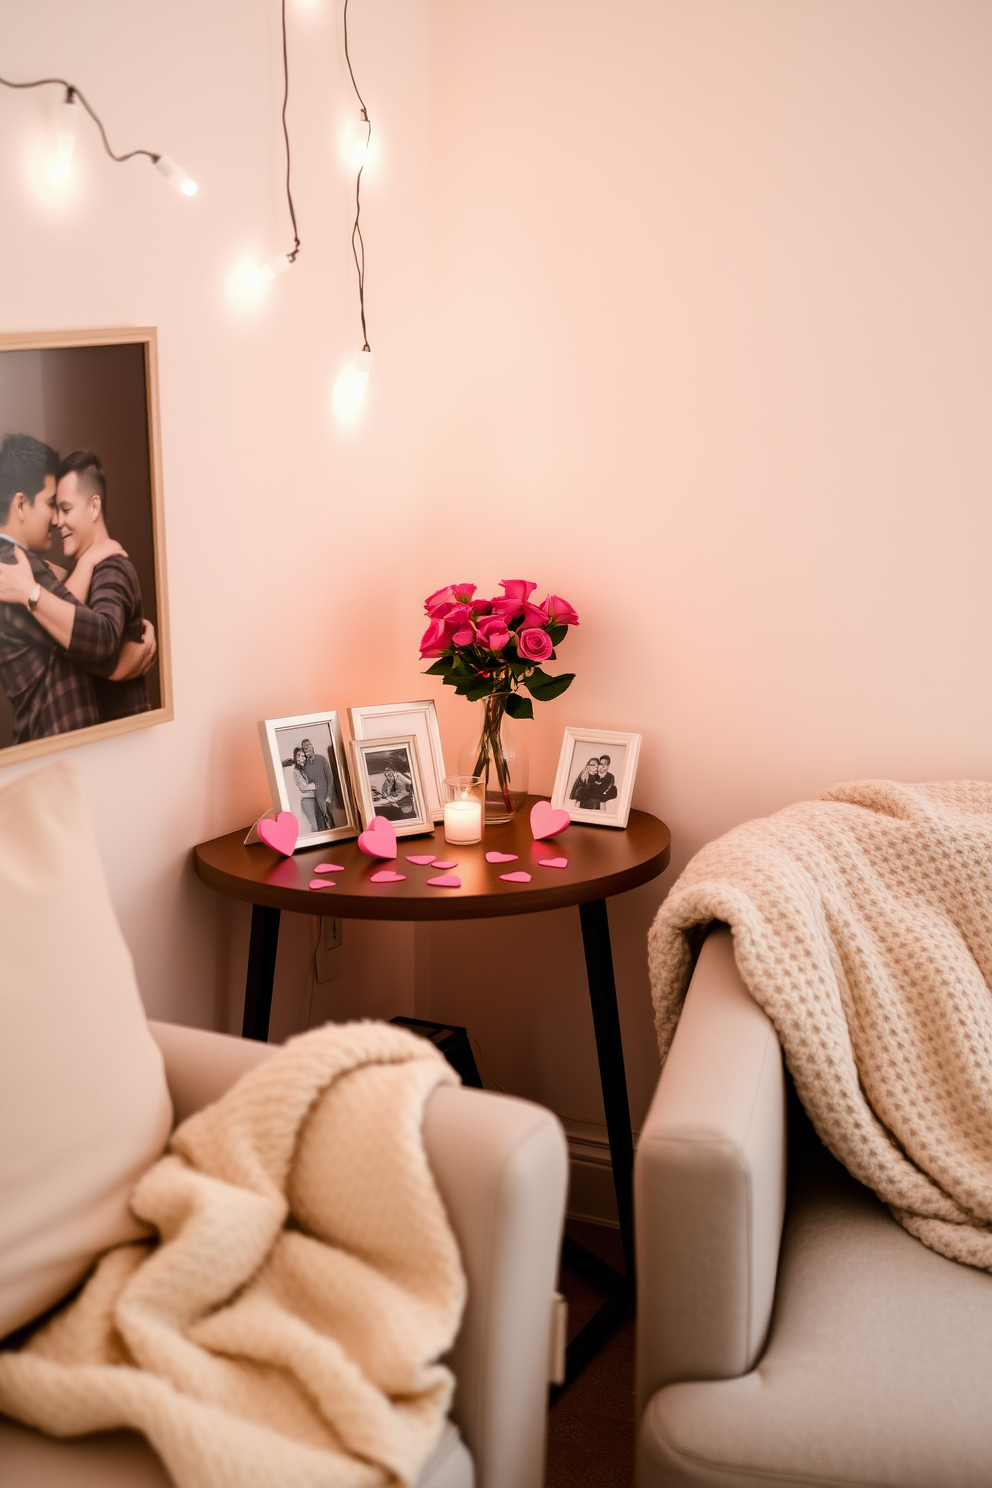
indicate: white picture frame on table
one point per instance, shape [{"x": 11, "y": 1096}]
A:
[
  {"x": 389, "y": 782},
  {"x": 389, "y": 720},
  {"x": 602, "y": 797},
  {"x": 325, "y": 813}
]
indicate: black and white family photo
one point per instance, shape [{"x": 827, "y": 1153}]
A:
[
  {"x": 390, "y": 777},
  {"x": 595, "y": 783},
  {"x": 81, "y": 640}
]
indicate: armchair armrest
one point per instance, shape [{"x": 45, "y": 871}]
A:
[
  {"x": 710, "y": 1185},
  {"x": 501, "y": 1166}
]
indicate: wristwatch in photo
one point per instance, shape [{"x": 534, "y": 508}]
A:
[{"x": 33, "y": 598}]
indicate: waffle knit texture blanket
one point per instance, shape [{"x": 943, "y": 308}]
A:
[
  {"x": 862, "y": 924},
  {"x": 283, "y": 1329}
]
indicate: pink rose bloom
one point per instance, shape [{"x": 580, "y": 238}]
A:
[
  {"x": 442, "y": 599},
  {"x": 519, "y": 590},
  {"x": 533, "y": 615},
  {"x": 559, "y": 610},
  {"x": 435, "y": 639},
  {"x": 493, "y": 633},
  {"x": 458, "y": 622},
  {"x": 504, "y": 607},
  {"x": 534, "y": 644}
]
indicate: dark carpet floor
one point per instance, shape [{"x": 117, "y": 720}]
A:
[{"x": 591, "y": 1424}]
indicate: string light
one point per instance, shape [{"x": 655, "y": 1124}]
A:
[
  {"x": 352, "y": 383},
  {"x": 66, "y": 139},
  {"x": 266, "y": 272}
]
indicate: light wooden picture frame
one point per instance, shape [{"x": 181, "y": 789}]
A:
[
  {"x": 381, "y": 720},
  {"x": 308, "y": 775},
  {"x": 88, "y": 390},
  {"x": 599, "y": 797},
  {"x": 389, "y": 782}
]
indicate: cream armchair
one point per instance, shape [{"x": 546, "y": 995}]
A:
[
  {"x": 501, "y": 1166},
  {"x": 789, "y": 1330}
]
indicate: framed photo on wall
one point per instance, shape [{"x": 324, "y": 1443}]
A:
[
  {"x": 595, "y": 779},
  {"x": 420, "y": 719},
  {"x": 305, "y": 763},
  {"x": 389, "y": 783},
  {"x": 79, "y": 427}
]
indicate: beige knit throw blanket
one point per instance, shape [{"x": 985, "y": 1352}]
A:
[
  {"x": 284, "y": 1331},
  {"x": 862, "y": 924}
]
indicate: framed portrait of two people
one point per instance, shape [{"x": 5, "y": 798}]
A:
[{"x": 84, "y": 636}]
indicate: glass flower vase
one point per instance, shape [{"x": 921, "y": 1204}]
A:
[{"x": 499, "y": 755}]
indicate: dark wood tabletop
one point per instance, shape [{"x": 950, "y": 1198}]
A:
[{"x": 602, "y": 861}]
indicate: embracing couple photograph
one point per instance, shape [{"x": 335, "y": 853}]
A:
[{"x": 75, "y": 647}]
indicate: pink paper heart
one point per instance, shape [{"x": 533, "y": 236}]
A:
[
  {"x": 280, "y": 834},
  {"x": 446, "y": 881},
  {"x": 516, "y": 877},
  {"x": 439, "y": 864},
  {"x": 329, "y": 868},
  {"x": 545, "y": 821},
  {"x": 386, "y": 875},
  {"x": 321, "y": 883},
  {"x": 554, "y": 862},
  {"x": 495, "y": 857},
  {"x": 420, "y": 860},
  {"x": 378, "y": 840}
]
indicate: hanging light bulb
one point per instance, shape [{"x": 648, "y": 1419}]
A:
[
  {"x": 360, "y": 143},
  {"x": 266, "y": 272},
  {"x": 65, "y": 142},
  {"x": 175, "y": 175},
  {"x": 351, "y": 386}
]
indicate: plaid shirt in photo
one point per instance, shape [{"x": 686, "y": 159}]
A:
[{"x": 49, "y": 688}]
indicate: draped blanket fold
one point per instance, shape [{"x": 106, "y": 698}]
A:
[
  {"x": 283, "y": 1328},
  {"x": 862, "y": 924}
]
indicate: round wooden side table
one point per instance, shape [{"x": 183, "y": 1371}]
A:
[{"x": 602, "y": 861}]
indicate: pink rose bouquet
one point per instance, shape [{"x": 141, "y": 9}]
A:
[{"x": 489, "y": 649}]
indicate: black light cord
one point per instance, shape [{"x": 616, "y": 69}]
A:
[
  {"x": 357, "y": 241},
  {"x": 71, "y": 93},
  {"x": 285, "y": 130}
]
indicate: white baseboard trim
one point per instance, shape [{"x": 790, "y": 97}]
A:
[{"x": 590, "y": 1192}]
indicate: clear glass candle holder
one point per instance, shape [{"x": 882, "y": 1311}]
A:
[{"x": 464, "y": 809}]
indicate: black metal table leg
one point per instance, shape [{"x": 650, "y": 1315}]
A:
[
  {"x": 620, "y": 1288},
  {"x": 262, "y": 949},
  {"x": 612, "y": 1074}
]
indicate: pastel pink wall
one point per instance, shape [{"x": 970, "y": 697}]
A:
[
  {"x": 712, "y": 321},
  {"x": 680, "y": 307},
  {"x": 283, "y": 597}
]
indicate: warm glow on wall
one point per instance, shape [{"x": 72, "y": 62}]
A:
[{"x": 351, "y": 387}]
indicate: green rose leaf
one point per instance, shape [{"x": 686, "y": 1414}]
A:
[
  {"x": 544, "y": 688},
  {"x": 484, "y": 689},
  {"x": 557, "y": 633},
  {"x": 440, "y": 668},
  {"x": 519, "y": 707}
]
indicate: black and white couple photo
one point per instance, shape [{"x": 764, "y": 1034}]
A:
[
  {"x": 312, "y": 784},
  {"x": 79, "y": 642},
  {"x": 595, "y": 784}
]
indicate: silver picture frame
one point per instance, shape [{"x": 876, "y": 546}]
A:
[
  {"x": 419, "y": 718},
  {"x": 322, "y": 817},
  {"x": 405, "y": 805}
]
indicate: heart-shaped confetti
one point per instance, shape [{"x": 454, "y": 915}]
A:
[
  {"x": 420, "y": 860},
  {"x": 554, "y": 862},
  {"x": 386, "y": 875},
  {"x": 280, "y": 834},
  {"x": 495, "y": 857},
  {"x": 446, "y": 881},
  {"x": 545, "y": 821},
  {"x": 379, "y": 839},
  {"x": 515, "y": 877},
  {"x": 321, "y": 883},
  {"x": 329, "y": 868},
  {"x": 439, "y": 864}
]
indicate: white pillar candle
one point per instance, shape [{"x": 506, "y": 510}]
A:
[{"x": 462, "y": 821}]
